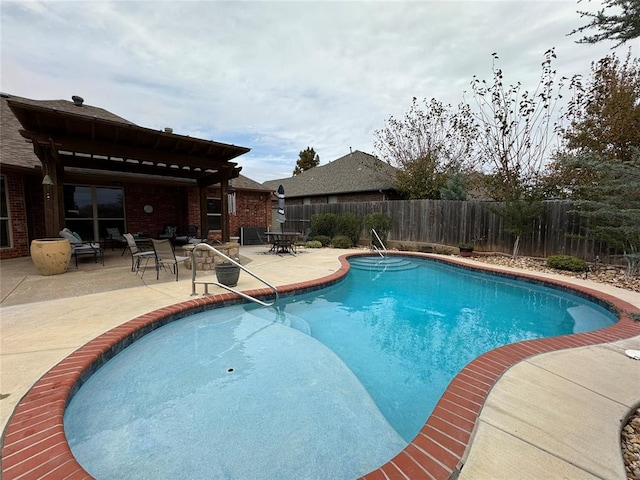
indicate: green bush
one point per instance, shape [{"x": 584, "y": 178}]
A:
[
  {"x": 349, "y": 225},
  {"x": 341, "y": 241},
  {"x": 381, "y": 223},
  {"x": 313, "y": 244},
  {"x": 324, "y": 224},
  {"x": 567, "y": 262},
  {"x": 323, "y": 239}
]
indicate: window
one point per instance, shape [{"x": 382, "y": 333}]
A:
[
  {"x": 90, "y": 210},
  {"x": 214, "y": 214},
  {"x": 5, "y": 234},
  {"x": 332, "y": 199}
]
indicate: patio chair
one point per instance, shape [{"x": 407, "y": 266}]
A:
[
  {"x": 114, "y": 236},
  {"x": 137, "y": 254},
  {"x": 166, "y": 257},
  {"x": 80, "y": 247}
]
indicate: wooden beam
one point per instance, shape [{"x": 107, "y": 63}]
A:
[
  {"x": 224, "y": 200},
  {"x": 131, "y": 167},
  {"x": 140, "y": 153}
]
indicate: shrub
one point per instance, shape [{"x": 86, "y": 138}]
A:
[
  {"x": 313, "y": 244},
  {"x": 567, "y": 262},
  {"x": 349, "y": 225},
  {"x": 341, "y": 241},
  {"x": 324, "y": 224},
  {"x": 323, "y": 239},
  {"x": 380, "y": 222}
]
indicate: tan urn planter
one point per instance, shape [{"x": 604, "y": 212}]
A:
[{"x": 51, "y": 256}]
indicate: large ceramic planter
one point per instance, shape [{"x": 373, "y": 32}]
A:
[
  {"x": 227, "y": 274},
  {"x": 51, "y": 256}
]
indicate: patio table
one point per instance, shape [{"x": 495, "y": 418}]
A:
[{"x": 283, "y": 242}]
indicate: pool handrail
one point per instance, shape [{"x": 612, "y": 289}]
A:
[
  {"x": 206, "y": 284},
  {"x": 373, "y": 230}
]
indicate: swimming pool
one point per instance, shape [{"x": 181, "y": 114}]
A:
[{"x": 243, "y": 343}]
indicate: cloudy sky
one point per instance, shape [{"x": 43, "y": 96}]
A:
[{"x": 279, "y": 76}]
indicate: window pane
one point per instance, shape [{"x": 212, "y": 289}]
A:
[
  {"x": 110, "y": 202},
  {"x": 78, "y": 202},
  {"x": 214, "y": 222},
  {"x": 4, "y": 233},
  {"x": 214, "y": 205},
  {"x": 4, "y": 211}
]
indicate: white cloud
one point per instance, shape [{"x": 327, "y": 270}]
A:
[{"x": 278, "y": 76}]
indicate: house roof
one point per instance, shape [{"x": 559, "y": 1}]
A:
[
  {"x": 245, "y": 183},
  {"x": 17, "y": 151},
  {"x": 86, "y": 137},
  {"x": 355, "y": 172}
]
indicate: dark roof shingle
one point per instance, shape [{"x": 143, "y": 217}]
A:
[{"x": 355, "y": 172}]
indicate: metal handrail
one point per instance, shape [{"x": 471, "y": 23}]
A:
[
  {"x": 373, "y": 230},
  {"x": 226, "y": 287}
]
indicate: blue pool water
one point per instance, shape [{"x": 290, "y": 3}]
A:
[{"x": 329, "y": 384}]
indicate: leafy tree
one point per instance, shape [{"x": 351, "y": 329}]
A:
[
  {"x": 621, "y": 27},
  {"x": 455, "y": 187},
  {"x": 605, "y": 117},
  {"x": 308, "y": 159},
  {"x": 430, "y": 142},
  {"x": 611, "y": 202}
]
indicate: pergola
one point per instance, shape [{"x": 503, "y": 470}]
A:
[{"x": 65, "y": 139}]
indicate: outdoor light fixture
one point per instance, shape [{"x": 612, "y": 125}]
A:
[{"x": 47, "y": 180}]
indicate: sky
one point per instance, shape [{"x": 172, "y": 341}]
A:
[{"x": 280, "y": 76}]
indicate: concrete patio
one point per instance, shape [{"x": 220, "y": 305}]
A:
[{"x": 555, "y": 415}]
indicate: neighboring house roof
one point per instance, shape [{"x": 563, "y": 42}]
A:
[
  {"x": 245, "y": 183},
  {"x": 353, "y": 173}
]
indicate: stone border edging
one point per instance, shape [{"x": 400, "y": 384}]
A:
[{"x": 34, "y": 444}]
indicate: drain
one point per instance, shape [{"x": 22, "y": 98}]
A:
[{"x": 230, "y": 370}]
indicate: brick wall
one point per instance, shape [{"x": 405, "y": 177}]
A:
[
  {"x": 253, "y": 209},
  {"x": 171, "y": 206}
]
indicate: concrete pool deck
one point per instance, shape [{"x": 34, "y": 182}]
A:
[{"x": 553, "y": 415}]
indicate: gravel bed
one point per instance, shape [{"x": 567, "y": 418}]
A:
[{"x": 610, "y": 274}]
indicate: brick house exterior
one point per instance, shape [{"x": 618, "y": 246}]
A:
[{"x": 174, "y": 201}]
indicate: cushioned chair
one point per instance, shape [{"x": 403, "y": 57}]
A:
[
  {"x": 137, "y": 253},
  {"x": 166, "y": 257},
  {"x": 79, "y": 247}
]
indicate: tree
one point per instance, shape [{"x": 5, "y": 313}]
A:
[
  {"x": 605, "y": 117},
  {"x": 516, "y": 129},
  {"x": 431, "y": 142},
  {"x": 516, "y": 135},
  {"x": 611, "y": 202},
  {"x": 620, "y": 27},
  {"x": 308, "y": 159},
  {"x": 455, "y": 187}
]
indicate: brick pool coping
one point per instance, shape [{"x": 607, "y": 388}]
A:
[{"x": 34, "y": 444}]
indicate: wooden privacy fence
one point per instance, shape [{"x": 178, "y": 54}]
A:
[{"x": 451, "y": 222}]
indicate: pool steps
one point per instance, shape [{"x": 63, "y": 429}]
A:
[{"x": 379, "y": 264}]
